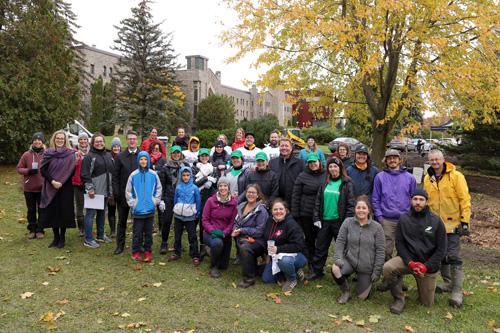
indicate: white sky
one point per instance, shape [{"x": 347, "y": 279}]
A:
[{"x": 195, "y": 24}]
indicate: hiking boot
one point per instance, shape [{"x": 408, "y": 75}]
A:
[
  {"x": 119, "y": 249},
  {"x": 213, "y": 272},
  {"x": 163, "y": 248},
  {"x": 196, "y": 262},
  {"x": 31, "y": 235},
  {"x": 311, "y": 276},
  {"x": 457, "y": 280},
  {"x": 39, "y": 235},
  {"x": 384, "y": 286},
  {"x": 399, "y": 298},
  {"x": 174, "y": 257},
  {"x": 136, "y": 256},
  {"x": 104, "y": 239},
  {"x": 288, "y": 286},
  {"x": 445, "y": 287},
  {"x": 92, "y": 244},
  {"x": 61, "y": 243},
  {"x": 148, "y": 256},
  {"x": 346, "y": 293},
  {"x": 300, "y": 274},
  {"x": 245, "y": 283},
  {"x": 54, "y": 242}
]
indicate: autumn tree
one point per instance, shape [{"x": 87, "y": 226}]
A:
[
  {"x": 39, "y": 73},
  {"x": 147, "y": 90},
  {"x": 379, "y": 57}
]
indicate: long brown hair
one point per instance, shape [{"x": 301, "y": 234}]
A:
[
  {"x": 260, "y": 194},
  {"x": 343, "y": 172}
]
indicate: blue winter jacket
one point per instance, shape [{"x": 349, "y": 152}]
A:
[
  {"x": 362, "y": 179},
  {"x": 143, "y": 191},
  {"x": 392, "y": 194},
  {"x": 303, "y": 155},
  {"x": 187, "y": 193}
]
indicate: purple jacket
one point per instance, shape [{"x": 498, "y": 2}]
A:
[
  {"x": 218, "y": 215},
  {"x": 392, "y": 194}
]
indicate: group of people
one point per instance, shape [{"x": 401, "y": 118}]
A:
[{"x": 281, "y": 212}]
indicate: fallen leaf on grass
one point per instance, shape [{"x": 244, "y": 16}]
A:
[
  {"x": 61, "y": 258},
  {"x": 492, "y": 323},
  {"x": 409, "y": 329},
  {"x": 100, "y": 321},
  {"x": 157, "y": 284},
  {"x": 319, "y": 286},
  {"x": 360, "y": 323},
  {"x": 190, "y": 331},
  {"x": 62, "y": 301},
  {"x": 324, "y": 332},
  {"x": 233, "y": 285},
  {"x": 22, "y": 220},
  {"x": 142, "y": 299},
  {"x": 287, "y": 293},
  {"x": 101, "y": 289},
  {"x": 374, "y": 318},
  {"x": 237, "y": 306},
  {"x": 347, "y": 318},
  {"x": 448, "y": 316},
  {"x": 274, "y": 297},
  {"x": 262, "y": 331},
  {"x": 136, "y": 325},
  {"x": 27, "y": 294},
  {"x": 338, "y": 322},
  {"x": 53, "y": 270},
  {"x": 115, "y": 314},
  {"x": 45, "y": 283},
  {"x": 467, "y": 293},
  {"x": 125, "y": 315},
  {"x": 332, "y": 316},
  {"x": 59, "y": 314},
  {"x": 137, "y": 267},
  {"x": 161, "y": 263},
  {"x": 492, "y": 289}
]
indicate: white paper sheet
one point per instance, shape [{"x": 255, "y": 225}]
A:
[
  {"x": 96, "y": 203},
  {"x": 418, "y": 173}
]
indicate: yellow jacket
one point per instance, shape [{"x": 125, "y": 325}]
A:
[{"x": 449, "y": 198}]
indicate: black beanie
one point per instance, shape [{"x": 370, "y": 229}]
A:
[
  {"x": 37, "y": 136},
  {"x": 421, "y": 193}
]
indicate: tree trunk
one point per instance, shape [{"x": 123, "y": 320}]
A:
[{"x": 379, "y": 137}]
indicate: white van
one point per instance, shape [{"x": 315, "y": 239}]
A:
[{"x": 72, "y": 131}]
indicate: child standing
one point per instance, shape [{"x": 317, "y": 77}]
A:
[
  {"x": 187, "y": 209},
  {"x": 143, "y": 194}
]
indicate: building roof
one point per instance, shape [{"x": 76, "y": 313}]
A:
[{"x": 95, "y": 49}]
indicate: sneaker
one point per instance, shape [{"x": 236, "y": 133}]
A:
[
  {"x": 300, "y": 274},
  {"x": 104, "y": 239},
  {"x": 246, "y": 283},
  {"x": 213, "y": 272},
  {"x": 92, "y": 244},
  {"x": 39, "y": 235},
  {"x": 136, "y": 256},
  {"x": 163, "y": 248},
  {"x": 148, "y": 256},
  {"x": 288, "y": 286},
  {"x": 196, "y": 262},
  {"x": 31, "y": 235},
  {"x": 174, "y": 257},
  {"x": 81, "y": 233}
]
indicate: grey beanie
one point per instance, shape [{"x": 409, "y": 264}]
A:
[
  {"x": 223, "y": 180},
  {"x": 83, "y": 135}
]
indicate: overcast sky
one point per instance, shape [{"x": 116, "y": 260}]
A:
[{"x": 195, "y": 24}]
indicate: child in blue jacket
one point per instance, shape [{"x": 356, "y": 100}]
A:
[
  {"x": 143, "y": 194},
  {"x": 187, "y": 209}
]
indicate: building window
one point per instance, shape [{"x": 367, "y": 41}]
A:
[
  {"x": 104, "y": 71},
  {"x": 199, "y": 64},
  {"x": 92, "y": 69},
  {"x": 246, "y": 102},
  {"x": 252, "y": 103},
  {"x": 110, "y": 71}
]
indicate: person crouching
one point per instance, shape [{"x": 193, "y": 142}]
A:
[{"x": 143, "y": 194}]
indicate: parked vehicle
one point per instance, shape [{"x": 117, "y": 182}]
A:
[
  {"x": 402, "y": 145},
  {"x": 72, "y": 131},
  {"x": 351, "y": 142},
  {"x": 448, "y": 142}
]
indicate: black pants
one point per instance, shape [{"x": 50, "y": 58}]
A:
[
  {"x": 248, "y": 256},
  {"x": 190, "y": 226},
  {"x": 112, "y": 217},
  {"x": 166, "y": 223},
  {"x": 142, "y": 230},
  {"x": 329, "y": 230},
  {"x": 123, "y": 210},
  {"x": 32, "y": 203},
  {"x": 311, "y": 233}
]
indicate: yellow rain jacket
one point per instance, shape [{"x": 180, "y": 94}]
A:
[{"x": 449, "y": 198}]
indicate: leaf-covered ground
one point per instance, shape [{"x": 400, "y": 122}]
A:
[{"x": 82, "y": 290}]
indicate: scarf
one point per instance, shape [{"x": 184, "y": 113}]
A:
[
  {"x": 83, "y": 151},
  {"x": 37, "y": 150},
  {"x": 252, "y": 147},
  {"x": 60, "y": 165},
  {"x": 221, "y": 199},
  {"x": 155, "y": 156},
  {"x": 362, "y": 167}
]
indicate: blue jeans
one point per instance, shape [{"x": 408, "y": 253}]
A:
[
  {"x": 89, "y": 222},
  {"x": 288, "y": 265},
  {"x": 220, "y": 250}
]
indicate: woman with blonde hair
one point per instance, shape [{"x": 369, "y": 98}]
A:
[
  {"x": 239, "y": 139},
  {"x": 56, "y": 203}
]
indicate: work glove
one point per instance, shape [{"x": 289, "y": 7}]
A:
[
  {"x": 161, "y": 206},
  {"x": 422, "y": 268},
  {"x": 374, "y": 277},
  {"x": 463, "y": 229},
  {"x": 32, "y": 171},
  {"x": 317, "y": 224},
  {"x": 217, "y": 233},
  {"x": 339, "y": 263}
]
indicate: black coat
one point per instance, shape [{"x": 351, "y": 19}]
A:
[
  {"x": 125, "y": 163},
  {"x": 268, "y": 182},
  {"x": 287, "y": 172},
  {"x": 97, "y": 170},
  {"x": 287, "y": 234},
  {"x": 305, "y": 191},
  {"x": 169, "y": 177},
  {"x": 346, "y": 201},
  {"x": 421, "y": 237}
]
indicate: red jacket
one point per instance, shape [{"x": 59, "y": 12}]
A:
[
  {"x": 31, "y": 183},
  {"x": 76, "y": 180},
  {"x": 147, "y": 142}
]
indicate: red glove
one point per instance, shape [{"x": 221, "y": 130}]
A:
[
  {"x": 421, "y": 267},
  {"x": 413, "y": 265}
]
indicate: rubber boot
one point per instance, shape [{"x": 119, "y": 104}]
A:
[
  {"x": 399, "y": 298},
  {"x": 346, "y": 293},
  {"x": 457, "y": 280},
  {"x": 445, "y": 287}
]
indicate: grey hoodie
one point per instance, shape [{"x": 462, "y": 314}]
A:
[{"x": 362, "y": 246}]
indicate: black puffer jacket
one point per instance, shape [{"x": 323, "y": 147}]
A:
[
  {"x": 169, "y": 177},
  {"x": 97, "y": 172},
  {"x": 287, "y": 234},
  {"x": 125, "y": 163},
  {"x": 268, "y": 182},
  {"x": 287, "y": 172},
  {"x": 305, "y": 191},
  {"x": 346, "y": 201}
]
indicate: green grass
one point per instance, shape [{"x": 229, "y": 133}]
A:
[{"x": 99, "y": 285}]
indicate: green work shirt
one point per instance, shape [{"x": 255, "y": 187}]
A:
[{"x": 331, "y": 200}]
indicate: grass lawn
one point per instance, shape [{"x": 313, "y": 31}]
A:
[{"x": 100, "y": 292}]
